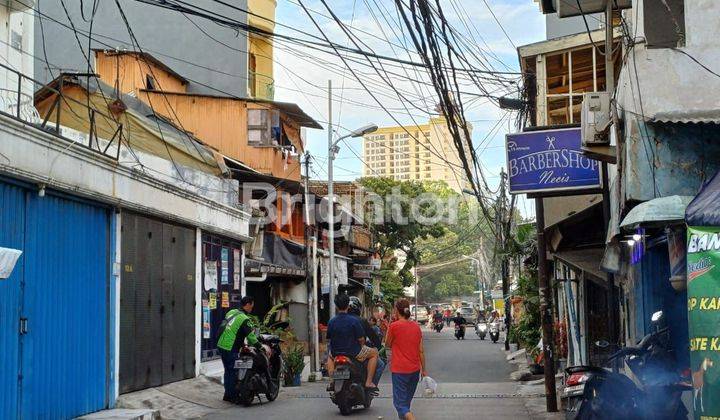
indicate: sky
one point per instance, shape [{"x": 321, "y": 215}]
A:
[{"x": 301, "y": 75}]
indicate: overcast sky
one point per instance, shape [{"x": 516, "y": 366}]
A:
[{"x": 301, "y": 75}]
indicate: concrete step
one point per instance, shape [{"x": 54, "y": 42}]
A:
[{"x": 123, "y": 414}]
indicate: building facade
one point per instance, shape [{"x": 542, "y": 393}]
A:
[
  {"x": 218, "y": 59},
  {"x": 414, "y": 153}
]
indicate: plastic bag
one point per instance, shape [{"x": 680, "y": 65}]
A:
[{"x": 429, "y": 385}]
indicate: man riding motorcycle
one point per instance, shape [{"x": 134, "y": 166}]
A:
[
  {"x": 460, "y": 322},
  {"x": 347, "y": 337},
  {"x": 237, "y": 328},
  {"x": 371, "y": 337},
  {"x": 437, "y": 319}
]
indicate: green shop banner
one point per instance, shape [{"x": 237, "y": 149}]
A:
[{"x": 703, "y": 291}]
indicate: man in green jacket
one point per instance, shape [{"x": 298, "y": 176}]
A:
[{"x": 238, "y": 328}]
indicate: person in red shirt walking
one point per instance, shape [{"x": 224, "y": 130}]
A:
[{"x": 407, "y": 362}]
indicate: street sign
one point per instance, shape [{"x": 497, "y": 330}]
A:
[{"x": 549, "y": 161}]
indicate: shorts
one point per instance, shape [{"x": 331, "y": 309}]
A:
[{"x": 365, "y": 353}]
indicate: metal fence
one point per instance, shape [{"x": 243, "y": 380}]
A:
[{"x": 19, "y": 103}]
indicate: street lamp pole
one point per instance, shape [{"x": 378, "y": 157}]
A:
[
  {"x": 476, "y": 265},
  {"x": 332, "y": 150}
]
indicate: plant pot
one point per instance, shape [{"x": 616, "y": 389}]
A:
[{"x": 296, "y": 380}]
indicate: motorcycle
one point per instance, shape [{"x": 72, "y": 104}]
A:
[
  {"x": 348, "y": 390},
  {"x": 494, "y": 332},
  {"x": 481, "y": 330},
  {"x": 438, "y": 326},
  {"x": 610, "y": 394},
  {"x": 460, "y": 332},
  {"x": 259, "y": 370}
]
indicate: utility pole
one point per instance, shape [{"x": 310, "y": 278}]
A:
[
  {"x": 609, "y": 65},
  {"x": 505, "y": 221},
  {"x": 545, "y": 309},
  {"x": 331, "y": 205},
  {"x": 309, "y": 271}
]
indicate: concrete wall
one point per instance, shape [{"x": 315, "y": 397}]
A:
[
  {"x": 556, "y": 27},
  {"x": 41, "y": 158},
  {"x": 684, "y": 156},
  {"x": 160, "y": 32},
  {"x": 664, "y": 72}
]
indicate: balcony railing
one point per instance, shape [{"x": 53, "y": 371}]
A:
[{"x": 18, "y": 102}]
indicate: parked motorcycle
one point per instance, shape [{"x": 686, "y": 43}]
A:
[
  {"x": 259, "y": 370},
  {"x": 438, "y": 326},
  {"x": 348, "y": 389},
  {"x": 481, "y": 330},
  {"x": 460, "y": 332},
  {"x": 494, "y": 332},
  {"x": 610, "y": 394}
]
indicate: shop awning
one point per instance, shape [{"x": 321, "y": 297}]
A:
[
  {"x": 587, "y": 260},
  {"x": 657, "y": 211},
  {"x": 704, "y": 210}
]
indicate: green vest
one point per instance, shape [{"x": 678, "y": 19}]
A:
[{"x": 228, "y": 337}]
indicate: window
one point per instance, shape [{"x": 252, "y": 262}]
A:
[
  {"x": 149, "y": 82},
  {"x": 570, "y": 74},
  {"x": 664, "y": 23},
  {"x": 264, "y": 128}
]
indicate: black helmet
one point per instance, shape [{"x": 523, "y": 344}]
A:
[{"x": 355, "y": 306}]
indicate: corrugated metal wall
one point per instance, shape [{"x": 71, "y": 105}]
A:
[
  {"x": 63, "y": 280},
  {"x": 12, "y": 232},
  {"x": 157, "y": 303}
]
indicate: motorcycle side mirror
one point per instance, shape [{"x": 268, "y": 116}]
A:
[
  {"x": 657, "y": 316},
  {"x": 602, "y": 344}
]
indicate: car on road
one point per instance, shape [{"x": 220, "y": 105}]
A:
[
  {"x": 419, "y": 313},
  {"x": 468, "y": 313}
]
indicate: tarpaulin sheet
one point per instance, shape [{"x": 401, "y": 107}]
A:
[{"x": 704, "y": 210}]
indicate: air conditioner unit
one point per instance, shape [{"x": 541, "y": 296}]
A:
[
  {"x": 595, "y": 118},
  {"x": 568, "y": 8}
]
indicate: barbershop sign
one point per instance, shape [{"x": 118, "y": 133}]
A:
[{"x": 548, "y": 161}]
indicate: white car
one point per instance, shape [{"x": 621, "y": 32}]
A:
[{"x": 419, "y": 314}]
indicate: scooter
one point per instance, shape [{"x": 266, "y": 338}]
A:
[
  {"x": 481, "y": 330},
  {"x": 460, "y": 332},
  {"x": 259, "y": 370},
  {"x": 610, "y": 394},
  {"x": 438, "y": 326},
  {"x": 494, "y": 332},
  {"x": 348, "y": 389}
]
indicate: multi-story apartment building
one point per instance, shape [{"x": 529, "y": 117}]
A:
[{"x": 419, "y": 152}]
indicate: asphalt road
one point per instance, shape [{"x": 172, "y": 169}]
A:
[
  {"x": 473, "y": 382},
  {"x": 462, "y": 361}
]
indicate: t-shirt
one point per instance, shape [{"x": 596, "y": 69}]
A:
[
  {"x": 405, "y": 346},
  {"x": 344, "y": 331}
]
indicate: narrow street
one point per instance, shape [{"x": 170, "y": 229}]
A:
[{"x": 473, "y": 382}]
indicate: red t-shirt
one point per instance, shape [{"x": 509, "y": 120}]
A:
[{"x": 405, "y": 346}]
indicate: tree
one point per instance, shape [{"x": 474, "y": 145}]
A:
[{"x": 398, "y": 229}]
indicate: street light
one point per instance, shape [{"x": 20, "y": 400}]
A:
[
  {"x": 481, "y": 287},
  {"x": 333, "y": 148}
]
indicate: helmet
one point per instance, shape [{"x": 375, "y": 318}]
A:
[{"x": 355, "y": 306}]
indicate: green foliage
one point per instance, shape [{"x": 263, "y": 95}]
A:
[
  {"x": 270, "y": 326},
  {"x": 294, "y": 363},
  {"x": 392, "y": 235}
]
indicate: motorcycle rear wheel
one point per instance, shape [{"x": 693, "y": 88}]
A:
[
  {"x": 246, "y": 397},
  {"x": 275, "y": 384}
]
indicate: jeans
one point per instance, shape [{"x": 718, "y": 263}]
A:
[
  {"x": 231, "y": 374},
  {"x": 378, "y": 371},
  {"x": 404, "y": 386}
]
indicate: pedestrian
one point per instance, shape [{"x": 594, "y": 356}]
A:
[
  {"x": 407, "y": 364},
  {"x": 376, "y": 328}
]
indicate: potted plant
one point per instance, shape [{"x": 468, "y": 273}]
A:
[{"x": 294, "y": 363}]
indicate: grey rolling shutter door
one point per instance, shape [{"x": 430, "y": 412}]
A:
[
  {"x": 169, "y": 333},
  {"x": 149, "y": 333},
  {"x": 186, "y": 296},
  {"x": 128, "y": 301}
]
